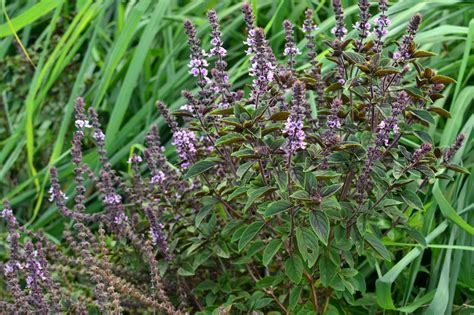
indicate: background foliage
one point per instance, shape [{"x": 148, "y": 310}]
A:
[{"x": 124, "y": 55}]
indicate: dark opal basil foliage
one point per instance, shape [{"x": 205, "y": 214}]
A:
[{"x": 280, "y": 191}]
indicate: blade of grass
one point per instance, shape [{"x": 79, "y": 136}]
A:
[
  {"x": 448, "y": 211},
  {"x": 28, "y": 17},
  {"x": 134, "y": 70},
  {"x": 440, "y": 300},
  {"x": 467, "y": 50},
  {"x": 17, "y": 38},
  {"x": 383, "y": 284},
  {"x": 119, "y": 48}
]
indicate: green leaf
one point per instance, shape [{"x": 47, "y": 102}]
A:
[
  {"x": 449, "y": 212},
  {"x": 320, "y": 224},
  {"x": 222, "y": 111},
  {"x": 413, "y": 91},
  {"x": 442, "y": 79},
  {"x": 380, "y": 248},
  {"x": 440, "y": 111},
  {"x": 238, "y": 192},
  {"x": 423, "y": 54},
  {"x": 416, "y": 235},
  {"x": 202, "y": 214},
  {"x": 280, "y": 116},
  {"x": 412, "y": 199},
  {"x": 243, "y": 168},
  {"x": 277, "y": 207},
  {"x": 301, "y": 243},
  {"x": 249, "y": 233},
  {"x": 270, "y": 251},
  {"x": 423, "y": 115},
  {"x": 354, "y": 57},
  {"x": 295, "y": 294},
  {"x": 419, "y": 302},
  {"x": 330, "y": 190},
  {"x": 201, "y": 167},
  {"x": 301, "y": 195},
  {"x": 253, "y": 194},
  {"x": 424, "y": 136},
  {"x": 333, "y": 87},
  {"x": 307, "y": 245},
  {"x": 386, "y": 71},
  {"x": 230, "y": 138},
  {"x": 327, "y": 270},
  {"x": 458, "y": 169},
  {"x": 294, "y": 268},
  {"x": 325, "y": 175}
]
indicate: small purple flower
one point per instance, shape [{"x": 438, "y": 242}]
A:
[
  {"x": 421, "y": 152},
  {"x": 382, "y": 21},
  {"x": 56, "y": 195},
  {"x": 98, "y": 135},
  {"x": 112, "y": 199},
  {"x": 8, "y": 268},
  {"x": 333, "y": 121},
  {"x": 293, "y": 51},
  {"x": 185, "y": 140},
  {"x": 6, "y": 213},
  {"x": 187, "y": 107},
  {"x": 135, "y": 159},
  {"x": 120, "y": 218},
  {"x": 362, "y": 26},
  {"x": 158, "y": 178},
  {"x": 29, "y": 281},
  {"x": 80, "y": 124}
]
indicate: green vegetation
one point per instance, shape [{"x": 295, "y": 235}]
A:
[{"x": 123, "y": 56}]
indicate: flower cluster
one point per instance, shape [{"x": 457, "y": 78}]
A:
[
  {"x": 421, "y": 152},
  {"x": 184, "y": 140},
  {"x": 334, "y": 122},
  {"x": 339, "y": 30},
  {"x": 216, "y": 42},
  {"x": 198, "y": 64},
  {"x": 405, "y": 50},
  {"x": 290, "y": 47},
  {"x": 362, "y": 25},
  {"x": 249, "y": 19},
  {"x": 390, "y": 124},
  {"x": 451, "y": 151},
  {"x": 262, "y": 68},
  {"x": 382, "y": 22},
  {"x": 308, "y": 28},
  {"x": 294, "y": 124}
]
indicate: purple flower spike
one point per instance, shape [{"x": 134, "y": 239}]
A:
[
  {"x": 185, "y": 141},
  {"x": 339, "y": 30},
  {"x": 294, "y": 124}
]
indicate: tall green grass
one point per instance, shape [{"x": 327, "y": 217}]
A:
[{"x": 124, "y": 55}]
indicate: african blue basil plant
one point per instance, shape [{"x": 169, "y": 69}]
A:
[{"x": 280, "y": 192}]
